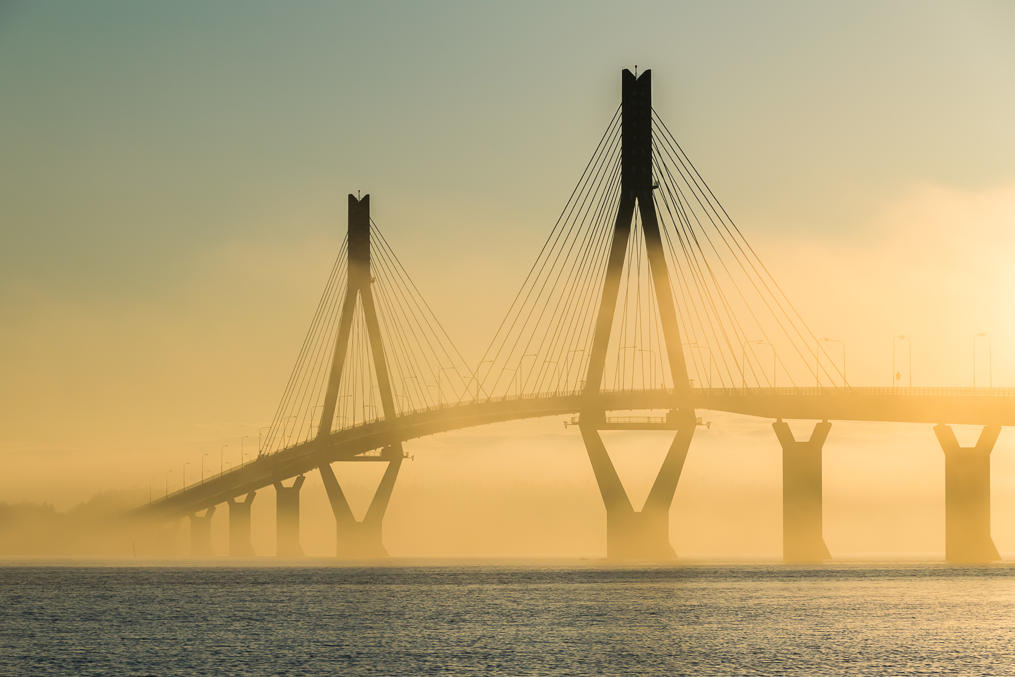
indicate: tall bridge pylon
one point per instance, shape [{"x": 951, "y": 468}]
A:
[{"x": 631, "y": 533}]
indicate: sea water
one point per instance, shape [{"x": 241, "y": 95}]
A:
[{"x": 516, "y": 619}]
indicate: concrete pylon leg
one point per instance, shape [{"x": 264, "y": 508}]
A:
[
  {"x": 362, "y": 539},
  {"x": 200, "y": 533},
  {"x": 240, "y": 544},
  {"x": 802, "y": 537},
  {"x": 637, "y": 534},
  {"x": 287, "y": 519},
  {"x": 967, "y": 496}
]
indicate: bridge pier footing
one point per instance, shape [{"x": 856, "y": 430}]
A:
[
  {"x": 240, "y": 544},
  {"x": 802, "y": 537},
  {"x": 287, "y": 519},
  {"x": 362, "y": 539},
  {"x": 632, "y": 534},
  {"x": 967, "y": 496},
  {"x": 200, "y": 533}
]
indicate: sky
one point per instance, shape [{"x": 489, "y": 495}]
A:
[{"x": 174, "y": 179}]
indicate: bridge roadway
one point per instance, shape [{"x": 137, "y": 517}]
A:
[{"x": 979, "y": 406}]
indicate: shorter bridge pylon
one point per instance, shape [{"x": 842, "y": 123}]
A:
[
  {"x": 967, "y": 496},
  {"x": 355, "y": 539}
]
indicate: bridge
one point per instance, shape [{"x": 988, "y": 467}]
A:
[{"x": 645, "y": 306}]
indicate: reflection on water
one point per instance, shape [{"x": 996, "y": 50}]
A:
[{"x": 907, "y": 619}]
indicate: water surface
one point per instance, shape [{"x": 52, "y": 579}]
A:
[{"x": 510, "y": 619}]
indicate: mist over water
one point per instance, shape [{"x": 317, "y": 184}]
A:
[{"x": 512, "y": 619}]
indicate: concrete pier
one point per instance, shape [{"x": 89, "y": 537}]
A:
[
  {"x": 200, "y": 533},
  {"x": 287, "y": 519},
  {"x": 802, "y": 537},
  {"x": 967, "y": 496},
  {"x": 240, "y": 544},
  {"x": 638, "y": 534},
  {"x": 362, "y": 539}
]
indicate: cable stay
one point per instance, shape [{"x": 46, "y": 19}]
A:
[{"x": 425, "y": 368}]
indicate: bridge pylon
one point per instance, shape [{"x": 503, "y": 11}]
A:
[
  {"x": 359, "y": 539},
  {"x": 802, "y": 536},
  {"x": 632, "y": 534},
  {"x": 967, "y": 496},
  {"x": 240, "y": 542},
  {"x": 200, "y": 533}
]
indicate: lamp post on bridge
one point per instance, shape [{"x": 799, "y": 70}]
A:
[
  {"x": 708, "y": 351},
  {"x": 260, "y": 443},
  {"x": 743, "y": 359},
  {"x": 479, "y": 381},
  {"x": 523, "y": 376},
  {"x": 204, "y": 455},
  {"x": 222, "y": 458},
  {"x": 990, "y": 359},
  {"x": 569, "y": 362},
  {"x": 440, "y": 397},
  {"x": 313, "y": 416},
  {"x": 242, "y": 450},
  {"x": 183, "y": 483},
  {"x": 909, "y": 351},
  {"x": 842, "y": 345}
]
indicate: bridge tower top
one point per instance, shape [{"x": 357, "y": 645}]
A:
[
  {"x": 636, "y": 189},
  {"x": 636, "y": 134},
  {"x": 357, "y": 290},
  {"x": 359, "y": 239}
]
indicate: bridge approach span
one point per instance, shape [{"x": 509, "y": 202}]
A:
[{"x": 981, "y": 406}]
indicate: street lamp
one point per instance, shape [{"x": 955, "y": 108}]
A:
[
  {"x": 843, "y": 346},
  {"x": 441, "y": 370},
  {"x": 184, "y": 484},
  {"x": 743, "y": 359},
  {"x": 990, "y": 359},
  {"x": 570, "y": 362},
  {"x": 260, "y": 443},
  {"x": 203, "y": 456},
  {"x": 222, "y": 456},
  {"x": 708, "y": 351},
  {"x": 909, "y": 351},
  {"x": 523, "y": 376}
]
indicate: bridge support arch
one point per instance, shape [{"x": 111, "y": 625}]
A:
[
  {"x": 967, "y": 496},
  {"x": 200, "y": 533},
  {"x": 802, "y": 537},
  {"x": 638, "y": 534},
  {"x": 362, "y": 539},
  {"x": 287, "y": 519},
  {"x": 240, "y": 543}
]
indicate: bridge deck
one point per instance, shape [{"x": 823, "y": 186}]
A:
[{"x": 980, "y": 406}]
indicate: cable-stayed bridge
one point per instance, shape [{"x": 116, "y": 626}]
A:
[{"x": 645, "y": 305}]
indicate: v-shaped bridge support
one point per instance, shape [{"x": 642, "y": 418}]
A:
[
  {"x": 359, "y": 539},
  {"x": 632, "y": 534}
]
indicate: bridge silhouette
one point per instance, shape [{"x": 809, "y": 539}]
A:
[{"x": 645, "y": 305}]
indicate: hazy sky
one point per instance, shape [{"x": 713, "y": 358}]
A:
[{"x": 174, "y": 179}]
